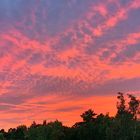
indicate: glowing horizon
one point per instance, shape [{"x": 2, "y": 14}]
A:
[{"x": 59, "y": 58}]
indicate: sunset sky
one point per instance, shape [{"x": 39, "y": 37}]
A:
[{"x": 59, "y": 58}]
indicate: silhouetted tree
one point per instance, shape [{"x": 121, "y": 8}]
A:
[
  {"x": 88, "y": 116},
  {"x": 33, "y": 124},
  {"x": 134, "y": 104},
  {"x": 44, "y": 122},
  {"x": 124, "y": 126}
]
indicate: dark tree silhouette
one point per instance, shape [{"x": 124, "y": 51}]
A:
[
  {"x": 125, "y": 125},
  {"x": 134, "y": 106},
  {"x": 88, "y": 116}
]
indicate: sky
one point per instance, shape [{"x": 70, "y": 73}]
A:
[{"x": 59, "y": 58}]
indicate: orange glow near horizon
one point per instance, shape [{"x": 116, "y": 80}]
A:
[{"x": 65, "y": 109}]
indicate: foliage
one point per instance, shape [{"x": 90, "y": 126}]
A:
[{"x": 124, "y": 126}]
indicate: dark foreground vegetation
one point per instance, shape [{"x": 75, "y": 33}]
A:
[{"x": 124, "y": 126}]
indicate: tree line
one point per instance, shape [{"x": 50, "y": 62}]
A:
[{"x": 125, "y": 125}]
